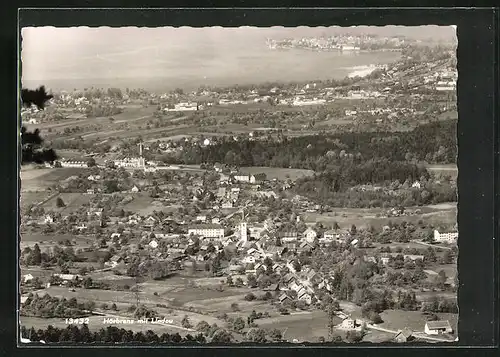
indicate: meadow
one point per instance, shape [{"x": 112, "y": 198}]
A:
[
  {"x": 366, "y": 217},
  {"x": 413, "y": 320}
]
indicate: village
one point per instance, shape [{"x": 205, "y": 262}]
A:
[
  {"x": 279, "y": 212},
  {"x": 245, "y": 231}
]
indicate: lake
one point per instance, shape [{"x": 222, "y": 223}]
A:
[{"x": 171, "y": 58}]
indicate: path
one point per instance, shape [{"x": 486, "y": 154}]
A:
[{"x": 432, "y": 245}]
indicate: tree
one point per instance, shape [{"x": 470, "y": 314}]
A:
[
  {"x": 203, "y": 327},
  {"x": 354, "y": 336},
  {"x": 249, "y": 297},
  {"x": 87, "y": 283},
  {"x": 441, "y": 279},
  {"x": 256, "y": 335},
  {"x": 60, "y": 203},
  {"x": 375, "y": 318},
  {"x": 251, "y": 281},
  {"x": 235, "y": 307},
  {"x": 447, "y": 257},
  {"x": 185, "y": 322},
  {"x": 275, "y": 334},
  {"x": 33, "y": 150},
  {"x": 36, "y": 255},
  {"x": 238, "y": 324},
  {"x": 222, "y": 336},
  {"x": 238, "y": 282},
  {"x": 91, "y": 162}
]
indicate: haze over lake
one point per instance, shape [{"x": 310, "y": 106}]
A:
[{"x": 166, "y": 58}]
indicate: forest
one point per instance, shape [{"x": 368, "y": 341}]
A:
[{"x": 434, "y": 143}]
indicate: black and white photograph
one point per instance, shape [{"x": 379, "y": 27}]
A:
[{"x": 236, "y": 185}]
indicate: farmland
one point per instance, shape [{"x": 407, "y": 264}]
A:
[
  {"x": 72, "y": 201},
  {"x": 365, "y": 217},
  {"x": 451, "y": 169},
  {"x": 413, "y": 320},
  {"x": 41, "y": 179},
  {"x": 293, "y": 325}
]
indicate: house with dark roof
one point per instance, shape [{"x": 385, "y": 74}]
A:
[
  {"x": 284, "y": 297},
  {"x": 288, "y": 278},
  {"x": 403, "y": 335}
]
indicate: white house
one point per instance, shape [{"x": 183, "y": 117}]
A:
[
  {"x": 153, "y": 244},
  {"x": 416, "y": 184},
  {"x": 295, "y": 286},
  {"x": 310, "y": 234},
  {"x": 348, "y": 324},
  {"x": 329, "y": 235},
  {"x": 305, "y": 297},
  {"x": 437, "y": 327},
  {"x": 113, "y": 262},
  {"x": 249, "y": 259},
  {"x": 27, "y": 277},
  {"x": 48, "y": 219},
  {"x": 66, "y": 276},
  {"x": 135, "y": 189},
  {"x": 242, "y": 178}
]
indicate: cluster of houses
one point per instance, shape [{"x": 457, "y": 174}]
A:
[{"x": 445, "y": 80}]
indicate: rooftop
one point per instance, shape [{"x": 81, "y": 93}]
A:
[{"x": 438, "y": 324}]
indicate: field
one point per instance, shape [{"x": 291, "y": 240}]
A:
[
  {"x": 33, "y": 197},
  {"x": 53, "y": 238},
  {"x": 413, "y": 320},
  {"x": 277, "y": 173},
  {"x": 450, "y": 169},
  {"x": 47, "y": 241},
  {"x": 303, "y": 325},
  {"x": 141, "y": 201},
  {"x": 41, "y": 179},
  {"x": 73, "y": 202},
  {"x": 365, "y": 217}
]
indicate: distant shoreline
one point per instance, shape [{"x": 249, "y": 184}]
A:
[{"x": 251, "y": 73}]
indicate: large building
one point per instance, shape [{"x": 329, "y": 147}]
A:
[
  {"x": 72, "y": 163},
  {"x": 450, "y": 237},
  {"x": 207, "y": 230}
]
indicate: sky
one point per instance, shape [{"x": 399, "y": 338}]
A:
[{"x": 49, "y": 53}]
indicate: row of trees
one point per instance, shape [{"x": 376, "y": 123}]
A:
[
  {"x": 82, "y": 334},
  {"x": 47, "y": 306}
]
